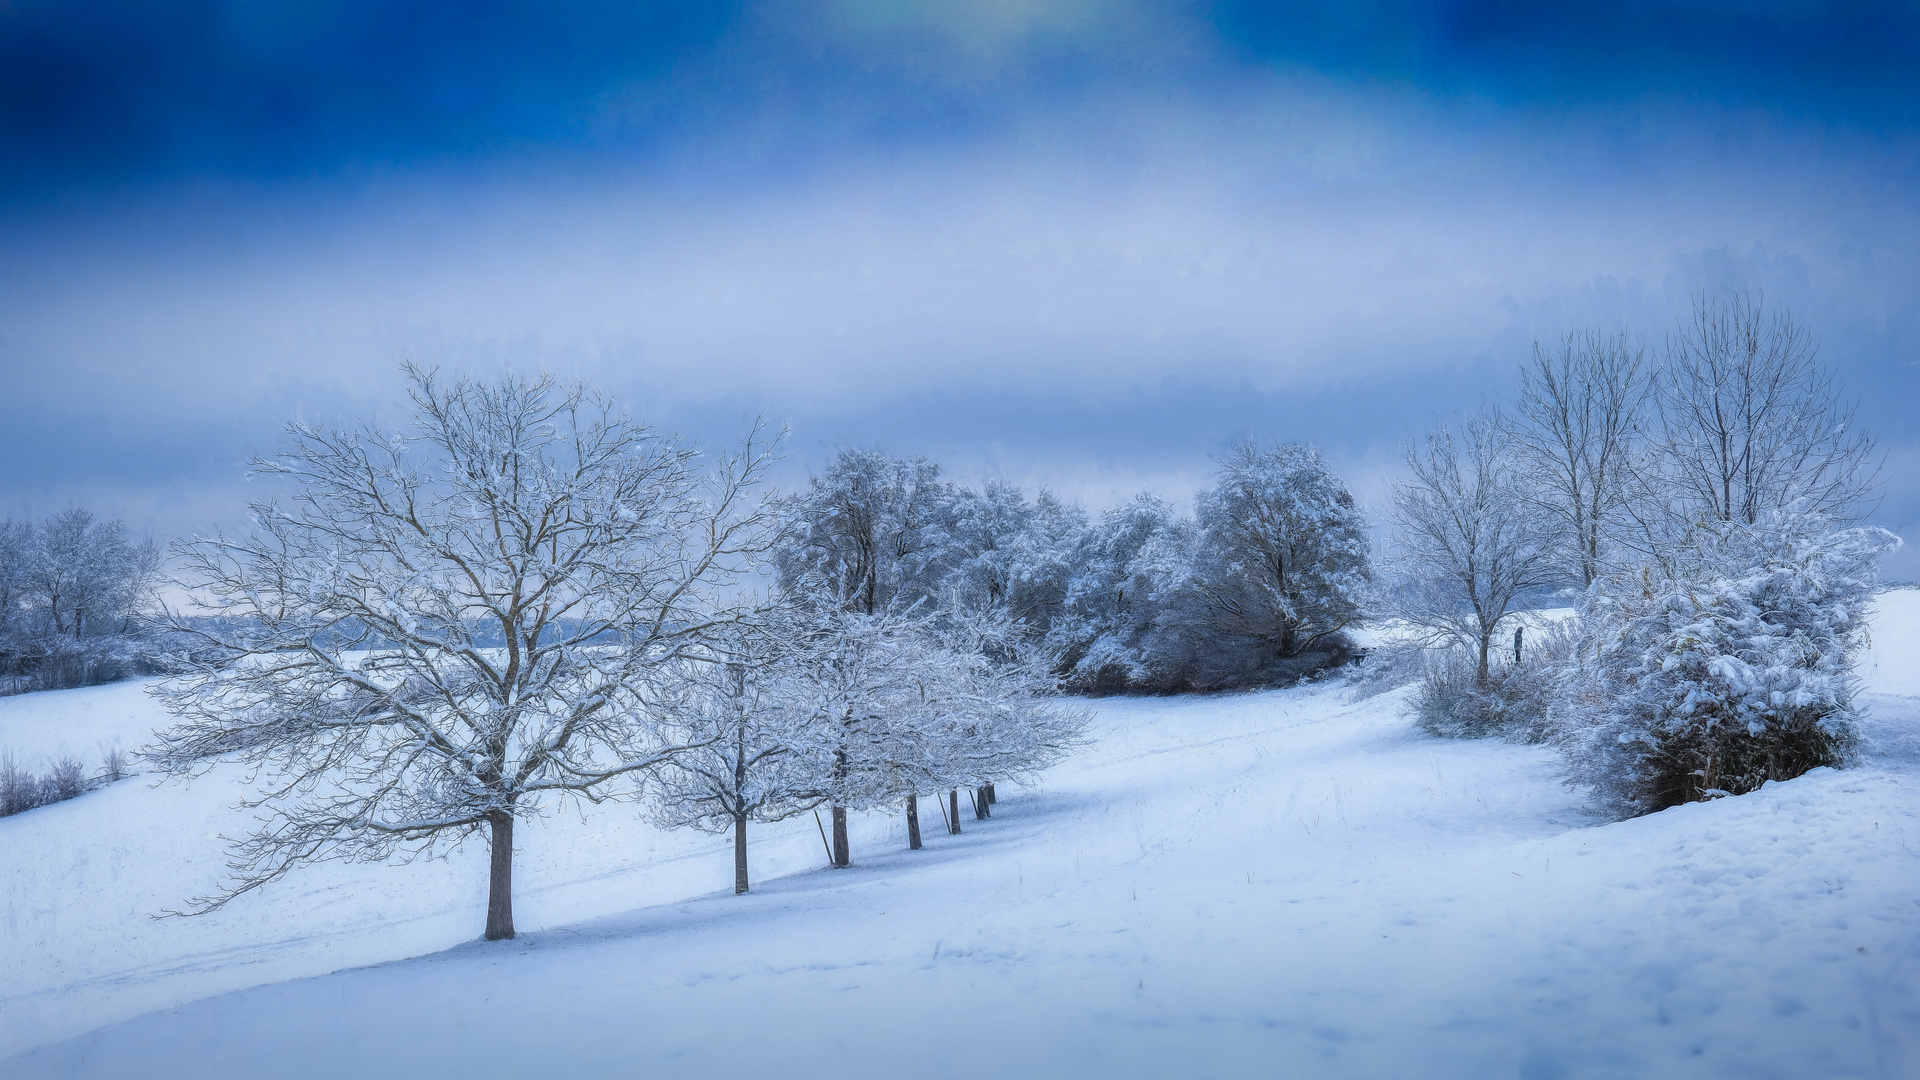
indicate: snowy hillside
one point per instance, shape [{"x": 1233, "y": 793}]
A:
[{"x": 1284, "y": 883}]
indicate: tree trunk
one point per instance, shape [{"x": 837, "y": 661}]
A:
[
  {"x": 953, "y": 820},
  {"x": 980, "y": 804},
  {"x": 500, "y": 878},
  {"x": 913, "y": 823},
  {"x": 1482, "y": 674},
  {"x": 991, "y": 797},
  {"x": 739, "y": 854},
  {"x": 842, "y": 858}
]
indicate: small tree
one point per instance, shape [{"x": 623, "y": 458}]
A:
[
  {"x": 1733, "y": 672},
  {"x": 987, "y": 710},
  {"x": 851, "y": 678},
  {"x": 886, "y": 706},
  {"x": 452, "y": 624},
  {"x": 1467, "y": 548},
  {"x": 733, "y": 707}
]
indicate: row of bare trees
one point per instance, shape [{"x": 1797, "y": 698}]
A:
[{"x": 528, "y": 598}]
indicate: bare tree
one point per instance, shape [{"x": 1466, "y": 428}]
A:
[
  {"x": 1467, "y": 548},
  {"x": 1751, "y": 422},
  {"x": 451, "y": 625},
  {"x": 1575, "y": 431}
]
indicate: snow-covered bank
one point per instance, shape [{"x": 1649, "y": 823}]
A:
[{"x": 1275, "y": 883}]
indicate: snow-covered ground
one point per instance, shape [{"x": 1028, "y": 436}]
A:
[{"x": 1283, "y": 883}]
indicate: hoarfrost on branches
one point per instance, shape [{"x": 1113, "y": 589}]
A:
[{"x": 448, "y": 626}]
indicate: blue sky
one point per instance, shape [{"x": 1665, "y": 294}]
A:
[{"x": 1080, "y": 243}]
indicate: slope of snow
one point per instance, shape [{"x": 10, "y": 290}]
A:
[
  {"x": 1285, "y": 882},
  {"x": 38, "y": 728}
]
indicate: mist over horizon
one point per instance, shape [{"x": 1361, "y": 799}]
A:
[{"x": 1079, "y": 245}]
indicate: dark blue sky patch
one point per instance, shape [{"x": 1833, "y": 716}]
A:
[
  {"x": 1848, "y": 59},
  {"x": 127, "y": 90}
]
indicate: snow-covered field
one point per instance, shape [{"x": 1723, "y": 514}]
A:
[{"x": 1285, "y": 883}]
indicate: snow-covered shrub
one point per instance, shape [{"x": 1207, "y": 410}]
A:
[
  {"x": 1382, "y": 667},
  {"x": 21, "y": 789},
  {"x": 1447, "y": 703},
  {"x": 114, "y": 766},
  {"x": 66, "y": 780},
  {"x": 1515, "y": 702},
  {"x": 1729, "y": 666}
]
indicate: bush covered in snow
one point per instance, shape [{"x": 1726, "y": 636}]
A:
[
  {"x": 1515, "y": 701},
  {"x": 21, "y": 789},
  {"x": 1723, "y": 667}
]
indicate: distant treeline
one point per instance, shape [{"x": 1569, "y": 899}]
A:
[{"x": 1259, "y": 587}]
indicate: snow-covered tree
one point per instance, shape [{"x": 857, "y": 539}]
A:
[
  {"x": 449, "y": 626},
  {"x": 71, "y": 591},
  {"x": 1466, "y": 548},
  {"x": 16, "y": 539},
  {"x": 731, "y": 705},
  {"x": 86, "y": 577},
  {"x": 852, "y": 679},
  {"x": 890, "y": 705},
  {"x": 1733, "y": 671},
  {"x": 1119, "y": 567},
  {"x": 1006, "y": 553},
  {"x": 987, "y": 706},
  {"x": 1284, "y": 553},
  {"x": 1259, "y": 587},
  {"x": 869, "y": 530}
]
